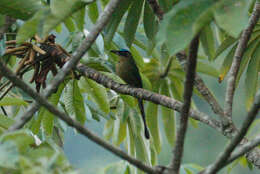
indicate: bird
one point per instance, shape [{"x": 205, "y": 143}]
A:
[{"x": 127, "y": 70}]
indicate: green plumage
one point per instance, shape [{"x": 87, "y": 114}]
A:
[{"x": 127, "y": 70}]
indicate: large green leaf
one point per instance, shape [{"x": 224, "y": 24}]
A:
[
  {"x": 98, "y": 94},
  {"x": 168, "y": 116},
  {"x": 92, "y": 10},
  {"x": 9, "y": 101},
  {"x": 232, "y": 15},
  {"x": 179, "y": 25},
  {"x": 5, "y": 122},
  {"x": 20, "y": 9},
  {"x": 153, "y": 124},
  {"x": 132, "y": 21},
  {"x": 115, "y": 19},
  {"x": 207, "y": 69},
  {"x": 251, "y": 81},
  {"x": 208, "y": 41},
  {"x": 227, "y": 42},
  {"x": 79, "y": 18},
  {"x": 74, "y": 102},
  {"x": 48, "y": 18},
  {"x": 149, "y": 22},
  {"x": 47, "y": 117}
]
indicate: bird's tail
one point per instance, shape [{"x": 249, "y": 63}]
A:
[{"x": 141, "y": 107}]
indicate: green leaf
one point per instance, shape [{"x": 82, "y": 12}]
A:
[
  {"x": 115, "y": 20},
  {"x": 92, "y": 10},
  {"x": 168, "y": 117},
  {"x": 137, "y": 57},
  {"x": 207, "y": 69},
  {"x": 20, "y": 9},
  {"x": 79, "y": 18},
  {"x": 227, "y": 42},
  {"x": 232, "y": 16},
  {"x": 246, "y": 57},
  {"x": 178, "y": 27},
  {"x": 69, "y": 24},
  {"x": 46, "y": 117},
  {"x": 208, "y": 41},
  {"x": 9, "y": 101},
  {"x": 74, "y": 102},
  {"x": 227, "y": 63},
  {"x": 132, "y": 21},
  {"x": 6, "y": 122},
  {"x": 251, "y": 81},
  {"x": 98, "y": 94},
  {"x": 149, "y": 22},
  {"x": 22, "y": 138},
  {"x": 153, "y": 124}
]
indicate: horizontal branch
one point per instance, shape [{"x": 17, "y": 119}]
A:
[
  {"x": 75, "y": 124},
  {"x": 146, "y": 95}
]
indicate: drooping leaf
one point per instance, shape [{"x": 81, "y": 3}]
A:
[
  {"x": 132, "y": 21},
  {"x": 227, "y": 42},
  {"x": 115, "y": 20},
  {"x": 168, "y": 117},
  {"x": 9, "y": 101},
  {"x": 74, "y": 102},
  {"x": 92, "y": 10},
  {"x": 251, "y": 81},
  {"x": 207, "y": 69},
  {"x": 69, "y": 24},
  {"x": 208, "y": 41},
  {"x": 232, "y": 16},
  {"x": 6, "y": 122},
  {"x": 178, "y": 27},
  {"x": 20, "y": 9},
  {"x": 79, "y": 18},
  {"x": 46, "y": 116},
  {"x": 153, "y": 124},
  {"x": 149, "y": 22}
]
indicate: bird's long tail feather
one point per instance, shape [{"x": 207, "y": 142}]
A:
[{"x": 141, "y": 107}]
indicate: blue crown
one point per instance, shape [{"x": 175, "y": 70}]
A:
[{"x": 125, "y": 50}]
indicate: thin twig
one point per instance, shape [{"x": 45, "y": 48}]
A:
[
  {"x": 231, "y": 81},
  {"x": 83, "y": 48},
  {"x": 167, "y": 69},
  {"x": 188, "y": 90},
  {"x": 4, "y": 111},
  {"x": 75, "y": 124},
  {"x": 223, "y": 157}
]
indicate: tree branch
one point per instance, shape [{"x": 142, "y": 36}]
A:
[
  {"x": 156, "y": 9},
  {"x": 83, "y": 48},
  {"x": 75, "y": 124},
  {"x": 231, "y": 82},
  {"x": 145, "y": 95},
  {"x": 227, "y": 126},
  {"x": 221, "y": 160},
  {"x": 188, "y": 90}
]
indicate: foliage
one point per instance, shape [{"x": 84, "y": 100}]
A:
[{"x": 153, "y": 44}]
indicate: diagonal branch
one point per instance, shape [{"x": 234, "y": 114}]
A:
[
  {"x": 221, "y": 160},
  {"x": 156, "y": 9},
  {"x": 83, "y": 48},
  {"x": 231, "y": 81},
  {"x": 75, "y": 124},
  {"x": 188, "y": 89}
]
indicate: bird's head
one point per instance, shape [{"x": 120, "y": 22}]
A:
[{"x": 124, "y": 53}]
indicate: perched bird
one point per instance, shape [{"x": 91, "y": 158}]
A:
[{"x": 128, "y": 71}]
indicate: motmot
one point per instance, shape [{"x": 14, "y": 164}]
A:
[{"x": 127, "y": 70}]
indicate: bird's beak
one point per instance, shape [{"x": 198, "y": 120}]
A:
[{"x": 115, "y": 52}]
